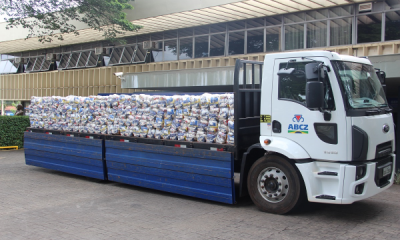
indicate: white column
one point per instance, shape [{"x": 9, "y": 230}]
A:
[{"x": 2, "y": 107}]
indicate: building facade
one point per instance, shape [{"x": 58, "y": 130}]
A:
[{"x": 199, "y": 34}]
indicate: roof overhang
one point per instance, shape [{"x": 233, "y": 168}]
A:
[{"x": 245, "y": 9}]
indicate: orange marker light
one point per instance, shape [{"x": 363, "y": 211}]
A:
[{"x": 267, "y": 141}]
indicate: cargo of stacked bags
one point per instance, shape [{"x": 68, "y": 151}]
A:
[{"x": 203, "y": 118}]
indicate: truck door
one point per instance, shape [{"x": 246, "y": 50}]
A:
[{"x": 292, "y": 120}]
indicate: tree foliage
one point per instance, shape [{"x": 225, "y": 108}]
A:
[{"x": 52, "y": 19}]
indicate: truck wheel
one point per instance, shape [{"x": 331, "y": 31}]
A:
[{"x": 274, "y": 185}]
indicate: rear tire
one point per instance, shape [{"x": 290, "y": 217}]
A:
[{"x": 275, "y": 186}]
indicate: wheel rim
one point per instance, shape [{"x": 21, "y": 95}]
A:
[{"x": 273, "y": 184}]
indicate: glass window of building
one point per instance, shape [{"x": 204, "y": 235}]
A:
[
  {"x": 343, "y": 11},
  {"x": 114, "y": 58},
  {"x": 217, "y": 45},
  {"x": 392, "y": 26},
  {"x": 170, "y": 34},
  {"x": 294, "y": 17},
  {"x": 8, "y": 66},
  {"x": 294, "y": 36},
  {"x": 378, "y": 6},
  {"x": 255, "y": 23},
  {"x": 170, "y": 50},
  {"x": 317, "y": 14},
  {"x": 157, "y": 36},
  {"x": 127, "y": 54},
  {"x": 142, "y": 38},
  {"x": 369, "y": 28},
  {"x": 186, "y": 32},
  {"x": 237, "y": 25},
  {"x": 273, "y": 39},
  {"x": 341, "y": 31},
  {"x": 236, "y": 43},
  {"x": 5, "y": 57},
  {"x": 216, "y": 28},
  {"x": 255, "y": 41},
  {"x": 316, "y": 34},
  {"x": 201, "y": 47},
  {"x": 392, "y": 4},
  {"x": 157, "y": 55},
  {"x": 201, "y": 30},
  {"x": 129, "y": 40},
  {"x": 273, "y": 21},
  {"x": 185, "y": 48}
]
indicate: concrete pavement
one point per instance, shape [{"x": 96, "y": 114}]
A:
[{"x": 37, "y": 203}]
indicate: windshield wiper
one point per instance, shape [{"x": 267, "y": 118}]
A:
[
  {"x": 373, "y": 112},
  {"x": 378, "y": 110},
  {"x": 385, "y": 108}
]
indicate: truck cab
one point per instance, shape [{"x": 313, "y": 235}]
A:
[{"x": 329, "y": 121}]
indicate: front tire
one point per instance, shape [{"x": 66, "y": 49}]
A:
[{"x": 275, "y": 186}]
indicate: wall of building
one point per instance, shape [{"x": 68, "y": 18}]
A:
[
  {"x": 84, "y": 82},
  {"x": 387, "y": 63},
  {"x": 333, "y": 29}
]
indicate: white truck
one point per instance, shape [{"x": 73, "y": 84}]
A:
[
  {"x": 328, "y": 132},
  {"x": 315, "y": 126}
]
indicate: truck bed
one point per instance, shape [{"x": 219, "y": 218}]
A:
[
  {"x": 192, "y": 172},
  {"x": 203, "y": 170}
]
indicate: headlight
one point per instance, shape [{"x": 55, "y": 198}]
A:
[{"x": 361, "y": 170}]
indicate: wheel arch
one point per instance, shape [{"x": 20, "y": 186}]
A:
[
  {"x": 253, "y": 153},
  {"x": 286, "y": 147}
]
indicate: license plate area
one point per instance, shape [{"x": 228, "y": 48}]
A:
[
  {"x": 387, "y": 170},
  {"x": 383, "y": 171}
]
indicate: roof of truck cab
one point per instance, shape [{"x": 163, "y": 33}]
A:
[{"x": 327, "y": 54}]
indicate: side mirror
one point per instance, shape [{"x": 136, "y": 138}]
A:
[
  {"x": 314, "y": 95},
  {"x": 313, "y": 70},
  {"x": 382, "y": 76},
  {"x": 322, "y": 72}
]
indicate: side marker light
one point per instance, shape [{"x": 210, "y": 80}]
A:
[{"x": 267, "y": 141}]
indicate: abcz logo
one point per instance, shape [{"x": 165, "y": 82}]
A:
[
  {"x": 298, "y": 128},
  {"x": 298, "y": 118}
]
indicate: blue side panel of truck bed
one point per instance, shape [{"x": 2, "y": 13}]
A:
[
  {"x": 193, "y": 172},
  {"x": 74, "y": 155}
]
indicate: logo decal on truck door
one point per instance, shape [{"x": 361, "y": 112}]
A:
[
  {"x": 298, "y": 128},
  {"x": 298, "y": 118}
]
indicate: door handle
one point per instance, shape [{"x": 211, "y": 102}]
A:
[{"x": 276, "y": 126}]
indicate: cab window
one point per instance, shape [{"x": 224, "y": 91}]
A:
[{"x": 292, "y": 87}]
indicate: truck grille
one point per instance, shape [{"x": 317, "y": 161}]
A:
[{"x": 383, "y": 149}]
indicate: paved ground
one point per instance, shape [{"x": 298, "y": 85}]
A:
[{"x": 37, "y": 203}]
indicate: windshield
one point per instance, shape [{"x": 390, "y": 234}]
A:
[{"x": 361, "y": 84}]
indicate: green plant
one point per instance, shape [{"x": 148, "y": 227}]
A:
[
  {"x": 15, "y": 104},
  {"x": 397, "y": 177},
  {"x": 12, "y": 130}
]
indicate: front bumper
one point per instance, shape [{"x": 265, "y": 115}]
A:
[{"x": 336, "y": 183}]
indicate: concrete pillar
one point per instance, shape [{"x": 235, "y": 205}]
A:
[{"x": 2, "y": 107}]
